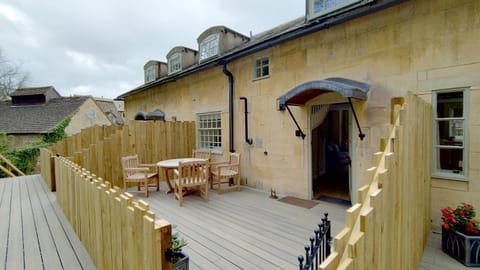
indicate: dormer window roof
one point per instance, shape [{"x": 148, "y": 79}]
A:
[
  {"x": 209, "y": 47},
  {"x": 180, "y": 58},
  {"x": 217, "y": 40}
]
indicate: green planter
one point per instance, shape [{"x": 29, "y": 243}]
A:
[{"x": 464, "y": 248}]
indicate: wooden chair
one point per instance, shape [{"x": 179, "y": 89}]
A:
[
  {"x": 206, "y": 154},
  {"x": 135, "y": 172},
  {"x": 191, "y": 174},
  {"x": 224, "y": 172}
]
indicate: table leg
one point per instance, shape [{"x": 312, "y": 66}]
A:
[{"x": 167, "y": 179}]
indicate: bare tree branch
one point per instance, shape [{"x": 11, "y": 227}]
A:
[{"x": 11, "y": 77}]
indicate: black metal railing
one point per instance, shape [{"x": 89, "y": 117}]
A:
[{"x": 319, "y": 248}]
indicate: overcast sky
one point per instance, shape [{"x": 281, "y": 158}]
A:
[{"x": 99, "y": 47}]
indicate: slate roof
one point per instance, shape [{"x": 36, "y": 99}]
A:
[
  {"x": 35, "y": 119},
  {"x": 109, "y": 108},
  {"x": 33, "y": 91},
  {"x": 289, "y": 30}
]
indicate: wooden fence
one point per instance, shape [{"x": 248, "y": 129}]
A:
[
  {"x": 8, "y": 167},
  {"x": 99, "y": 149},
  {"x": 389, "y": 226},
  {"x": 118, "y": 232}
]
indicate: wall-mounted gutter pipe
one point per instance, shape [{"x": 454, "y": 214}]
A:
[
  {"x": 230, "y": 104},
  {"x": 247, "y": 140}
]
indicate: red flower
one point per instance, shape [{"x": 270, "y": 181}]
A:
[{"x": 461, "y": 219}]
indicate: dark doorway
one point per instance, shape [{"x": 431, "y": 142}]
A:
[{"x": 330, "y": 155}]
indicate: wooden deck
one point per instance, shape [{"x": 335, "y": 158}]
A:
[
  {"x": 235, "y": 230},
  {"x": 242, "y": 230},
  {"x": 34, "y": 234}
]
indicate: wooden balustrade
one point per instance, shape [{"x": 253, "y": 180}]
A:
[{"x": 388, "y": 227}]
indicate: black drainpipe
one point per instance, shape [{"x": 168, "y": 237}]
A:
[
  {"x": 230, "y": 103},
  {"x": 247, "y": 140}
]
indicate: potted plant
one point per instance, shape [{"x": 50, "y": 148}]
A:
[
  {"x": 461, "y": 234},
  {"x": 177, "y": 256}
]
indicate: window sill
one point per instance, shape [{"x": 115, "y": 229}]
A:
[
  {"x": 261, "y": 78},
  {"x": 449, "y": 176}
]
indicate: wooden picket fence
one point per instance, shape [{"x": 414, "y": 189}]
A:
[
  {"x": 98, "y": 149},
  {"x": 389, "y": 226},
  {"x": 118, "y": 232}
]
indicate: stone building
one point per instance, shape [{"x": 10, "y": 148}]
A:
[{"x": 287, "y": 99}]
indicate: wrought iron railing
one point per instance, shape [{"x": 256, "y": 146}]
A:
[{"x": 319, "y": 248}]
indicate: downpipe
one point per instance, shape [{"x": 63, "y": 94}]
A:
[{"x": 230, "y": 104}]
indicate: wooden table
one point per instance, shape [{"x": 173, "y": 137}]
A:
[{"x": 170, "y": 164}]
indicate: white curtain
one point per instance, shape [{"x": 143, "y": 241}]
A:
[{"x": 318, "y": 114}]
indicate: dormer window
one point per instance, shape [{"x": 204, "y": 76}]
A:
[
  {"x": 326, "y": 8},
  {"x": 174, "y": 63},
  {"x": 209, "y": 47},
  {"x": 150, "y": 74}
]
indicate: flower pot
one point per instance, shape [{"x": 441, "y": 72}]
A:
[
  {"x": 180, "y": 261},
  {"x": 464, "y": 248}
]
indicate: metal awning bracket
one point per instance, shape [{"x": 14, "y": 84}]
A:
[
  {"x": 361, "y": 135},
  {"x": 298, "y": 132}
]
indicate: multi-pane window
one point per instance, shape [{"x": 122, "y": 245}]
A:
[
  {"x": 261, "y": 67},
  {"x": 150, "y": 74},
  {"x": 209, "y": 47},
  {"x": 450, "y": 132},
  {"x": 174, "y": 63},
  {"x": 209, "y": 127}
]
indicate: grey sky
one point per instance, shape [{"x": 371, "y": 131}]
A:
[{"x": 99, "y": 47}]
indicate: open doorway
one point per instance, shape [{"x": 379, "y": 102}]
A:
[{"x": 330, "y": 152}]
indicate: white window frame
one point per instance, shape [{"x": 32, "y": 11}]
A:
[
  {"x": 332, "y": 7},
  {"x": 209, "y": 47},
  {"x": 150, "y": 74},
  {"x": 260, "y": 67},
  {"x": 209, "y": 131},
  {"x": 436, "y": 146},
  {"x": 175, "y": 63}
]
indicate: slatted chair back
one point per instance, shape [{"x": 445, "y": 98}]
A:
[
  {"x": 205, "y": 154},
  {"x": 191, "y": 174},
  {"x": 226, "y": 172},
  {"x": 129, "y": 162},
  {"x": 144, "y": 175}
]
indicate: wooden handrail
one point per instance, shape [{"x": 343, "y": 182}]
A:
[{"x": 11, "y": 166}]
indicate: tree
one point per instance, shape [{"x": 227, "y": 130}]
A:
[{"x": 11, "y": 77}]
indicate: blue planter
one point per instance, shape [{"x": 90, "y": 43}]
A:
[
  {"x": 181, "y": 261},
  {"x": 464, "y": 248}
]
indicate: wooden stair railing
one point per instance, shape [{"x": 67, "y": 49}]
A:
[{"x": 9, "y": 167}]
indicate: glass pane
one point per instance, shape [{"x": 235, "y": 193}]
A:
[
  {"x": 450, "y": 132},
  {"x": 265, "y": 71},
  {"x": 450, "y": 104},
  {"x": 451, "y": 160}
]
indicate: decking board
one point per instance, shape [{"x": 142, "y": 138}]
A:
[
  {"x": 242, "y": 230},
  {"x": 33, "y": 232}
]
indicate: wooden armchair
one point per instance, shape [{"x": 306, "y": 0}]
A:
[
  {"x": 206, "y": 154},
  {"x": 135, "y": 172},
  {"x": 191, "y": 174},
  {"x": 225, "y": 172}
]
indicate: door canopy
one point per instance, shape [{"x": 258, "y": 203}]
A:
[{"x": 309, "y": 90}]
